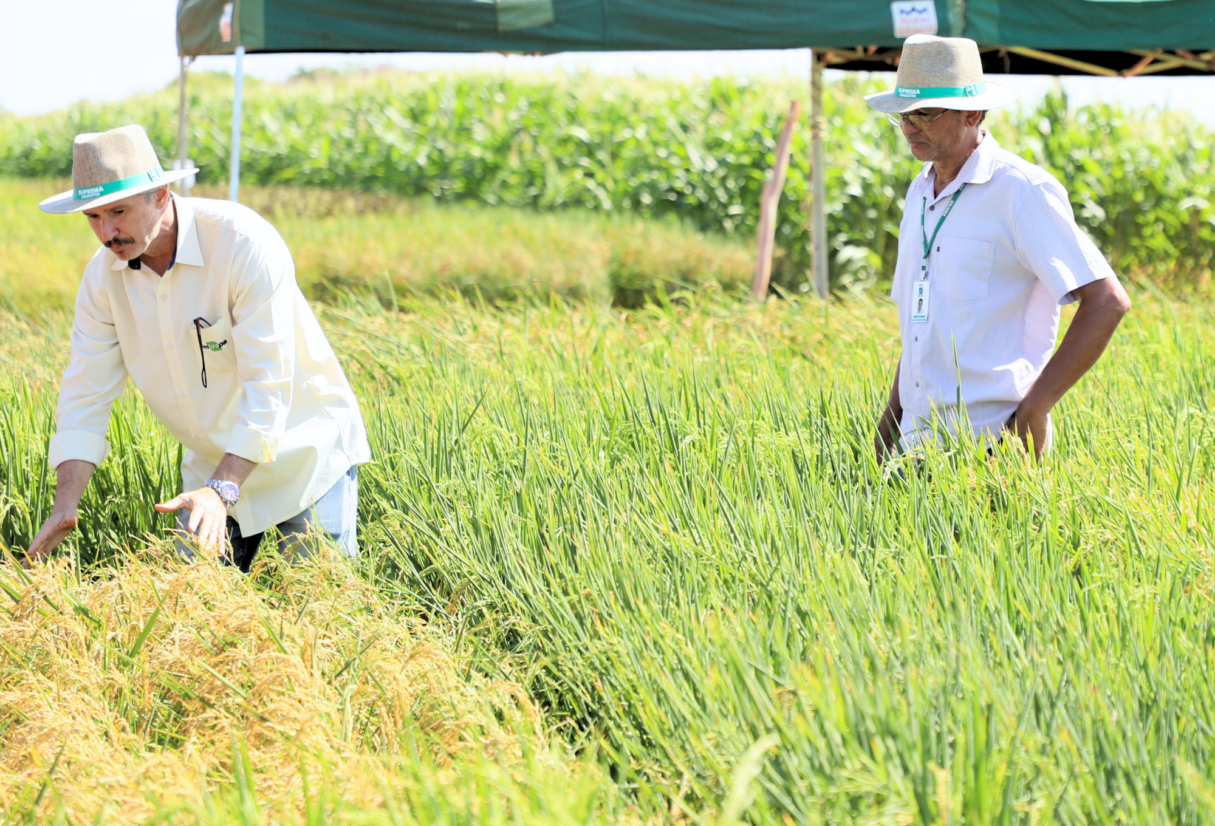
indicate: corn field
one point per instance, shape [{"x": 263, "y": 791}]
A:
[
  {"x": 1141, "y": 183},
  {"x": 638, "y": 567}
]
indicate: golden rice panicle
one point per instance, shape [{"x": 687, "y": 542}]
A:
[{"x": 139, "y": 686}]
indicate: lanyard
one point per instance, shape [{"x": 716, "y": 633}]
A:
[{"x": 928, "y": 242}]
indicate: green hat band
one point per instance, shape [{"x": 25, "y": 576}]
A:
[
  {"x": 941, "y": 91},
  {"x": 89, "y": 192}
]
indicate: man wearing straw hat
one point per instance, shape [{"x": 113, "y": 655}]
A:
[
  {"x": 196, "y": 302},
  {"x": 988, "y": 252}
]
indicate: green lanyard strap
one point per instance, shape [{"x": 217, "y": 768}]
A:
[{"x": 928, "y": 242}]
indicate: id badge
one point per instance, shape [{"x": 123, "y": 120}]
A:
[{"x": 919, "y": 302}]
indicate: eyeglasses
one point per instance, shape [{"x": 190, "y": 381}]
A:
[{"x": 920, "y": 120}]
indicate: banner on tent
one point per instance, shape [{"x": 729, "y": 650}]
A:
[{"x": 910, "y": 18}]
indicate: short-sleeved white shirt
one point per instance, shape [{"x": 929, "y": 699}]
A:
[{"x": 1007, "y": 257}]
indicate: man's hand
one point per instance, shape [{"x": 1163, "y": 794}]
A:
[
  {"x": 72, "y": 478},
  {"x": 887, "y": 435},
  {"x": 54, "y": 530},
  {"x": 208, "y": 513},
  {"x": 1029, "y": 422},
  {"x": 208, "y": 517}
]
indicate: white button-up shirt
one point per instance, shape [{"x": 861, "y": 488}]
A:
[
  {"x": 275, "y": 393},
  {"x": 1006, "y": 258}
]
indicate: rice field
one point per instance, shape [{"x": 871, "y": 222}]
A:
[
  {"x": 636, "y": 566},
  {"x": 363, "y": 243}
]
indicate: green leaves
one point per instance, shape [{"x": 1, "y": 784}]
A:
[
  {"x": 668, "y": 527},
  {"x": 697, "y": 150}
]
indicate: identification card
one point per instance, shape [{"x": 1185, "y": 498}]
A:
[{"x": 919, "y": 302}]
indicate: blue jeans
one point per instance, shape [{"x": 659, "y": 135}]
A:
[{"x": 332, "y": 521}]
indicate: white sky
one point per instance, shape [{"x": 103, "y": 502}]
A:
[{"x": 56, "y": 52}]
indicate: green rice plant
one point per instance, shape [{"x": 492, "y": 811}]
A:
[
  {"x": 667, "y": 527},
  {"x": 698, "y": 150},
  {"x": 685, "y": 543}
]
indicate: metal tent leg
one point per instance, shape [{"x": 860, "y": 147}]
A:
[
  {"x": 183, "y": 154},
  {"x": 818, "y": 178},
  {"x": 234, "y": 180}
]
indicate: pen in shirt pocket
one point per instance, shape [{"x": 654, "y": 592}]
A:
[{"x": 203, "y": 347}]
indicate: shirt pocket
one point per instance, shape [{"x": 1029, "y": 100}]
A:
[
  {"x": 965, "y": 268},
  {"x": 217, "y": 352}
]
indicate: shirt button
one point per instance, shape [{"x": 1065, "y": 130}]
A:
[
  {"x": 164, "y": 297},
  {"x": 181, "y": 394},
  {"x": 917, "y": 338},
  {"x": 931, "y": 208},
  {"x": 917, "y": 384}
]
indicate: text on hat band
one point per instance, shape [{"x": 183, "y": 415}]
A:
[
  {"x": 151, "y": 176},
  {"x": 970, "y": 91}
]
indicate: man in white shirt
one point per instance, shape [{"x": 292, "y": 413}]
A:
[
  {"x": 989, "y": 250},
  {"x": 196, "y": 302}
]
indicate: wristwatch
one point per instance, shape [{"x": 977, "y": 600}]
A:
[{"x": 228, "y": 491}]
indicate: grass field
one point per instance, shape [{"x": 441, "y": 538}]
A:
[
  {"x": 388, "y": 246},
  {"x": 640, "y": 567}
]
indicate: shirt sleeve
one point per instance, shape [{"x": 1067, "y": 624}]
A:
[
  {"x": 96, "y": 375},
  {"x": 1051, "y": 244},
  {"x": 263, "y": 333}
]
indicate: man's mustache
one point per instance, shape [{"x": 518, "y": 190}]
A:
[{"x": 122, "y": 242}]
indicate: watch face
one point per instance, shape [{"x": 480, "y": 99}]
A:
[{"x": 228, "y": 491}]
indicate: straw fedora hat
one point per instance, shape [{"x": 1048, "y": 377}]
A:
[
  {"x": 110, "y": 166},
  {"x": 941, "y": 73}
]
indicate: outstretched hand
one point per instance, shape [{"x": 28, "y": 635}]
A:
[
  {"x": 53, "y": 531},
  {"x": 72, "y": 476},
  {"x": 208, "y": 517}
]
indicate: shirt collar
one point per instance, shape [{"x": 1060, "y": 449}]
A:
[
  {"x": 978, "y": 168},
  {"x": 188, "y": 250}
]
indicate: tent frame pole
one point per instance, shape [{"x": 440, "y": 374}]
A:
[
  {"x": 234, "y": 177},
  {"x": 1065, "y": 62},
  {"x": 818, "y": 178},
  {"x": 182, "y": 149}
]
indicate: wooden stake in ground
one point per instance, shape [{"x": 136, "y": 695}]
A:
[
  {"x": 768, "y": 202},
  {"x": 816, "y": 187}
]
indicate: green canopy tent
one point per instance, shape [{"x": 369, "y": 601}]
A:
[{"x": 1124, "y": 38}]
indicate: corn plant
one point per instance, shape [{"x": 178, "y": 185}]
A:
[{"x": 697, "y": 150}]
